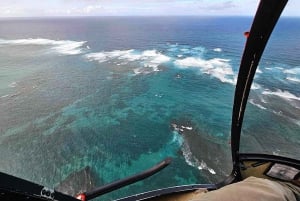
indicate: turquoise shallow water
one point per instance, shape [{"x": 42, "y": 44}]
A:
[{"x": 113, "y": 93}]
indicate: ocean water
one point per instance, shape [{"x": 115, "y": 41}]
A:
[{"x": 119, "y": 94}]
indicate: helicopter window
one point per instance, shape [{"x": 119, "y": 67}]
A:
[
  {"x": 272, "y": 124},
  {"x": 87, "y": 100}
]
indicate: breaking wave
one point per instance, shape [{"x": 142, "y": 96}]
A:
[
  {"x": 216, "y": 67},
  {"x": 181, "y": 56},
  {"x": 147, "y": 58},
  {"x": 217, "y": 49},
  {"x": 282, "y": 94},
  {"x": 66, "y": 47},
  {"x": 257, "y": 105},
  {"x": 294, "y": 71},
  {"x": 193, "y": 161},
  {"x": 294, "y": 79},
  {"x": 293, "y": 74}
]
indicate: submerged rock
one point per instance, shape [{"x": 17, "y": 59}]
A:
[{"x": 77, "y": 182}]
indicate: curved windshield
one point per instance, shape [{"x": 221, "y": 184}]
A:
[
  {"x": 272, "y": 118},
  {"x": 85, "y": 101}
]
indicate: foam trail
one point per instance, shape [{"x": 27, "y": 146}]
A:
[
  {"x": 4, "y": 96},
  {"x": 294, "y": 79},
  {"x": 257, "y": 105},
  {"x": 294, "y": 71},
  {"x": 67, "y": 47},
  {"x": 194, "y": 162},
  {"x": 283, "y": 94},
  {"x": 293, "y": 74}
]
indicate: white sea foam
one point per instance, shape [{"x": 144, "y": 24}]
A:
[
  {"x": 67, "y": 47},
  {"x": 187, "y": 127},
  {"x": 263, "y": 100},
  {"x": 258, "y": 70},
  {"x": 283, "y": 94},
  {"x": 137, "y": 71},
  {"x": 100, "y": 57},
  {"x": 257, "y": 105},
  {"x": 294, "y": 79},
  {"x": 10, "y": 95},
  {"x": 13, "y": 84},
  {"x": 148, "y": 58},
  {"x": 4, "y": 96},
  {"x": 218, "y": 50},
  {"x": 293, "y": 74},
  {"x": 194, "y": 162},
  {"x": 294, "y": 71},
  {"x": 116, "y": 54},
  {"x": 149, "y": 53},
  {"x": 279, "y": 68},
  {"x": 255, "y": 86},
  {"x": 159, "y": 58},
  {"x": 217, "y": 67}
]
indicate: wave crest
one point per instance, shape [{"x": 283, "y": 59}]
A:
[
  {"x": 193, "y": 161},
  {"x": 147, "y": 58},
  {"x": 216, "y": 67},
  {"x": 67, "y": 47},
  {"x": 283, "y": 94}
]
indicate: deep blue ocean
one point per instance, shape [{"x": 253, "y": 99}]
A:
[{"x": 119, "y": 94}]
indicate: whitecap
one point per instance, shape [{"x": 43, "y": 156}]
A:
[
  {"x": 294, "y": 79},
  {"x": 160, "y": 58},
  {"x": 263, "y": 100},
  {"x": 100, "y": 57},
  {"x": 255, "y": 86},
  {"x": 204, "y": 166},
  {"x": 279, "y": 68},
  {"x": 4, "y": 96},
  {"x": 283, "y": 94},
  {"x": 67, "y": 47},
  {"x": 187, "y": 127},
  {"x": 148, "y": 58},
  {"x": 258, "y": 70},
  {"x": 149, "y": 53},
  {"x": 137, "y": 71},
  {"x": 257, "y": 105},
  {"x": 294, "y": 71},
  {"x": 217, "y": 49},
  {"x": 13, "y": 84},
  {"x": 194, "y": 162},
  {"x": 293, "y": 74},
  {"x": 216, "y": 67}
]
